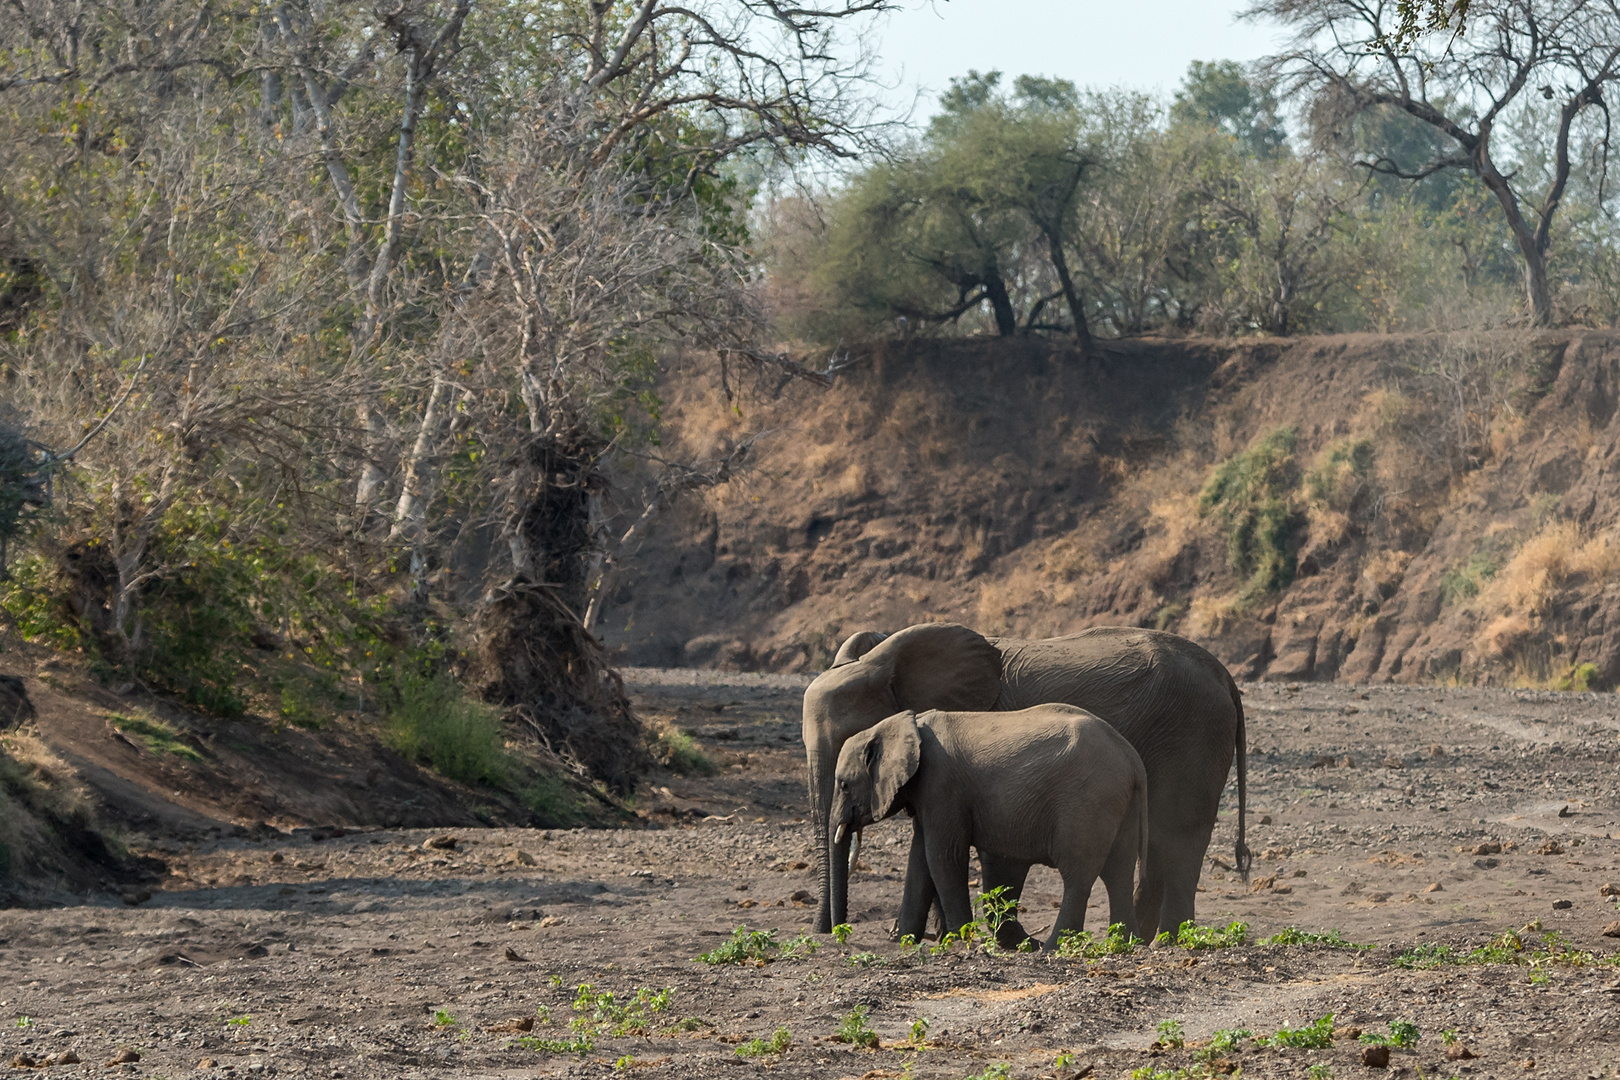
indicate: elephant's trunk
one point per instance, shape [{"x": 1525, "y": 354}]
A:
[
  {"x": 839, "y": 906},
  {"x": 820, "y": 801}
]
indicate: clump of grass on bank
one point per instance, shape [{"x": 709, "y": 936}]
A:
[
  {"x": 156, "y": 735},
  {"x": 430, "y": 721},
  {"x": 679, "y": 752}
]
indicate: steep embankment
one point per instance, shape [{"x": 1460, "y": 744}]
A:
[{"x": 1420, "y": 508}]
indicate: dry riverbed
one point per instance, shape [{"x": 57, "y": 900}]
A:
[{"x": 1401, "y": 817}]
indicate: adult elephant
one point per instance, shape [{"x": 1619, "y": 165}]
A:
[{"x": 1173, "y": 701}]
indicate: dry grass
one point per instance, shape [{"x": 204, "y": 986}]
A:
[
  {"x": 1209, "y": 616},
  {"x": 1383, "y": 570},
  {"x": 1534, "y": 582}
]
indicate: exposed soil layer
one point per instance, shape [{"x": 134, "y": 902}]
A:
[
  {"x": 371, "y": 955},
  {"x": 1445, "y": 511}
]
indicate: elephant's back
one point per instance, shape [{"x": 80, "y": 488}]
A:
[{"x": 1159, "y": 690}]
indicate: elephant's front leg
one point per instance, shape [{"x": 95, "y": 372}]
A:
[
  {"x": 1009, "y": 876},
  {"x": 919, "y": 895},
  {"x": 948, "y": 865}
]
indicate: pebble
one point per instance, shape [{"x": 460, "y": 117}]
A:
[
  {"x": 1435, "y": 887},
  {"x": 1563, "y": 905},
  {"x": 440, "y": 843},
  {"x": 1612, "y": 930},
  {"x": 1375, "y": 1057},
  {"x": 1609, "y": 890}
]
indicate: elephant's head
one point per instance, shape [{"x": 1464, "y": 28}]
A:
[
  {"x": 931, "y": 666},
  {"x": 872, "y": 768}
]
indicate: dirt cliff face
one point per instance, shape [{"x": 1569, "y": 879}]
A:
[{"x": 1432, "y": 508}]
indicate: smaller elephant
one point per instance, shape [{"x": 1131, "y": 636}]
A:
[{"x": 1052, "y": 785}]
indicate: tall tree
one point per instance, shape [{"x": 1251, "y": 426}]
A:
[{"x": 1509, "y": 53}]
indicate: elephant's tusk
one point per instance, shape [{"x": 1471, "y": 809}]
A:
[
  {"x": 838, "y": 837},
  {"x": 855, "y": 851}
]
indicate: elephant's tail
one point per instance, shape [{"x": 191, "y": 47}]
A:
[{"x": 1245, "y": 858}]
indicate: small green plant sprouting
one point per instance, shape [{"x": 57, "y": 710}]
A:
[
  {"x": 1081, "y": 945},
  {"x": 25, "y": 1021},
  {"x": 1064, "y": 1059},
  {"x": 1449, "y": 1036},
  {"x": 1317, "y": 1035},
  {"x": 1222, "y": 1043},
  {"x": 745, "y": 946},
  {"x": 628, "y": 1061},
  {"x": 238, "y": 1021},
  {"x": 1320, "y": 1070},
  {"x": 1192, "y": 1072},
  {"x": 854, "y": 1029},
  {"x": 798, "y": 947},
  {"x": 1539, "y": 978},
  {"x": 599, "y": 1012},
  {"x": 582, "y": 1045},
  {"x": 443, "y": 1019},
  {"x": 1000, "y": 1070},
  {"x": 866, "y": 960},
  {"x": 690, "y": 1023},
  {"x": 1192, "y": 936},
  {"x": 556, "y": 980},
  {"x": 997, "y": 909},
  {"x": 778, "y": 1043},
  {"x": 919, "y": 1032},
  {"x": 1171, "y": 1035},
  {"x": 841, "y": 932},
  {"x": 1506, "y": 948},
  {"x": 1293, "y": 935},
  {"x": 543, "y": 1013}
]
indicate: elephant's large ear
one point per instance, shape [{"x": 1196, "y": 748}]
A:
[
  {"x": 856, "y": 646},
  {"x": 892, "y": 757},
  {"x": 940, "y": 666}
]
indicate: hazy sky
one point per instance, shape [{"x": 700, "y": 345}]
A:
[{"x": 1143, "y": 44}]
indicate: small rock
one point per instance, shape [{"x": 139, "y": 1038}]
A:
[
  {"x": 1612, "y": 930},
  {"x": 1458, "y": 1052},
  {"x": 1436, "y": 750},
  {"x": 1528, "y": 1063},
  {"x": 1379, "y": 897},
  {"x": 748, "y": 903},
  {"x": 440, "y": 843},
  {"x": 1393, "y": 762},
  {"x": 517, "y": 1023},
  {"x": 125, "y": 1056},
  {"x": 207, "y": 1063},
  {"x": 1565, "y": 811},
  {"x": 1262, "y": 884},
  {"x": 1265, "y": 819},
  {"x": 551, "y": 920},
  {"x": 1609, "y": 890},
  {"x": 66, "y": 1057},
  {"x": 26, "y": 1061},
  {"x": 802, "y": 896},
  {"x": 523, "y": 858},
  {"x": 1486, "y": 864},
  {"x": 1351, "y": 889},
  {"x": 1487, "y": 849},
  {"x": 135, "y": 899},
  {"x": 1551, "y": 847},
  {"x": 1283, "y": 889},
  {"x": 798, "y": 865},
  {"x": 512, "y": 954},
  {"x": 277, "y": 857},
  {"x": 1375, "y": 1057},
  {"x": 1435, "y": 887},
  {"x": 1348, "y": 1034},
  {"x": 1563, "y": 905}
]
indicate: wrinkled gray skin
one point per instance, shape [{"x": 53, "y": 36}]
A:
[
  {"x": 1052, "y": 785},
  {"x": 1174, "y": 703}
]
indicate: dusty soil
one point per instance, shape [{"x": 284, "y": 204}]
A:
[{"x": 314, "y": 954}]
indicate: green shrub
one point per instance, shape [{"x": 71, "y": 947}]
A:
[
  {"x": 1317, "y": 1035},
  {"x": 1222, "y": 1043},
  {"x": 759, "y": 947},
  {"x": 599, "y": 1012},
  {"x": 430, "y": 721},
  {"x": 1252, "y": 493},
  {"x": 1340, "y": 470},
  {"x": 1192, "y": 936},
  {"x": 1464, "y": 580},
  {"x": 1293, "y": 935},
  {"x": 853, "y": 1029},
  {"x": 1402, "y": 1033},
  {"x": 778, "y": 1043},
  {"x": 1080, "y": 945},
  {"x": 550, "y": 796},
  {"x": 1171, "y": 1034}
]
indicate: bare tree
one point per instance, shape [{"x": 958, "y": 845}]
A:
[{"x": 1509, "y": 53}]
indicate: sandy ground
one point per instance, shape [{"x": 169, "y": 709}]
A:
[{"x": 368, "y": 955}]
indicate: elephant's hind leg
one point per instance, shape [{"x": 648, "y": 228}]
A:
[{"x": 1072, "y": 912}]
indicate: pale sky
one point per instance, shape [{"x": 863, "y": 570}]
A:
[{"x": 1140, "y": 44}]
